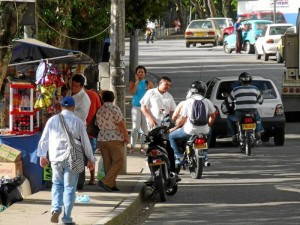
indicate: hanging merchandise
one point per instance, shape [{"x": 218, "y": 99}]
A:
[{"x": 48, "y": 80}]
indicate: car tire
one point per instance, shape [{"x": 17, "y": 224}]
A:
[
  {"x": 212, "y": 141},
  {"x": 187, "y": 45},
  {"x": 194, "y": 45},
  {"x": 247, "y": 47},
  {"x": 279, "y": 59},
  {"x": 279, "y": 137},
  {"x": 265, "y": 56},
  {"x": 226, "y": 48},
  {"x": 257, "y": 56}
]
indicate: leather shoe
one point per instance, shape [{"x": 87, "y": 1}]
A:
[
  {"x": 55, "y": 216},
  {"x": 104, "y": 186},
  {"x": 115, "y": 189}
]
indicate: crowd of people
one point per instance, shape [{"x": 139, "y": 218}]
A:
[{"x": 150, "y": 104}]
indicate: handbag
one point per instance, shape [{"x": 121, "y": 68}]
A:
[
  {"x": 75, "y": 150},
  {"x": 92, "y": 129}
]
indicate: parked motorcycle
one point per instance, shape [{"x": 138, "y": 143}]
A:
[
  {"x": 149, "y": 35},
  {"x": 194, "y": 155},
  {"x": 246, "y": 132},
  {"x": 9, "y": 192},
  {"x": 162, "y": 180}
]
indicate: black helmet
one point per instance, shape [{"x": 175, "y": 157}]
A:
[
  {"x": 198, "y": 87},
  {"x": 245, "y": 78}
]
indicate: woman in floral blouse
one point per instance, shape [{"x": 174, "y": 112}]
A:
[{"x": 112, "y": 137}]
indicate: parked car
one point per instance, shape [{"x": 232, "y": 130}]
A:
[
  {"x": 205, "y": 31},
  {"x": 266, "y": 44},
  {"x": 227, "y": 31},
  {"x": 279, "y": 50},
  {"x": 223, "y": 23},
  {"x": 251, "y": 30},
  {"x": 271, "y": 111},
  {"x": 264, "y": 15}
]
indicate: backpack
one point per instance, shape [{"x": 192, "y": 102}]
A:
[{"x": 198, "y": 116}]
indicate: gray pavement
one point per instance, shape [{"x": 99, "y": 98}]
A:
[{"x": 113, "y": 208}]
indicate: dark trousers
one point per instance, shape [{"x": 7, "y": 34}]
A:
[{"x": 239, "y": 41}]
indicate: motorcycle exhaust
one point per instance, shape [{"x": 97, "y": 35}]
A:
[
  {"x": 172, "y": 179},
  {"x": 207, "y": 164}
]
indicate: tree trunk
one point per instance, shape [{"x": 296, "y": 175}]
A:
[
  {"x": 9, "y": 29},
  {"x": 226, "y": 5},
  {"x": 212, "y": 8},
  {"x": 134, "y": 54},
  {"x": 199, "y": 10}
]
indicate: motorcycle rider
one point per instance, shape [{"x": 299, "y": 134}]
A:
[
  {"x": 184, "y": 129},
  {"x": 245, "y": 97}
]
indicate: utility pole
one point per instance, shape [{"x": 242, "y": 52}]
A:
[
  {"x": 274, "y": 13},
  {"x": 117, "y": 54}
]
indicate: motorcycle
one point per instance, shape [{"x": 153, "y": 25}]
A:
[
  {"x": 162, "y": 181},
  {"x": 149, "y": 35},
  {"x": 246, "y": 132},
  {"x": 194, "y": 155}
]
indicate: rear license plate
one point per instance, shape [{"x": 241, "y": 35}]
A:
[
  {"x": 248, "y": 126},
  {"x": 200, "y": 146},
  {"x": 156, "y": 162},
  {"x": 199, "y": 34}
]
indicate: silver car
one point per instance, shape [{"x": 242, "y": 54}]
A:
[{"x": 271, "y": 111}]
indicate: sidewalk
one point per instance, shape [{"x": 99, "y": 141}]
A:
[{"x": 113, "y": 208}]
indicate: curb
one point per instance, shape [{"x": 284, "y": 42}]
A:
[{"x": 123, "y": 212}]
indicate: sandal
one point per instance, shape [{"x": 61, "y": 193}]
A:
[
  {"x": 92, "y": 182},
  {"x": 142, "y": 151}
]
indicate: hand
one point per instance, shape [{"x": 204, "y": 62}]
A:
[
  {"x": 137, "y": 78},
  {"x": 44, "y": 161},
  {"x": 90, "y": 165},
  {"x": 152, "y": 123}
]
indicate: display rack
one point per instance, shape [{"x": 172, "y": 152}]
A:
[{"x": 23, "y": 118}]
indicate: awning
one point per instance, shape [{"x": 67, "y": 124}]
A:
[{"x": 31, "y": 51}]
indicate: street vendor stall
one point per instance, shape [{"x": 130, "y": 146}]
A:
[{"x": 30, "y": 99}]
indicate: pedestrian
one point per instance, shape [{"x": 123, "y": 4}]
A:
[
  {"x": 138, "y": 88},
  {"x": 186, "y": 127},
  {"x": 156, "y": 103},
  {"x": 95, "y": 105},
  {"x": 177, "y": 25},
  {"x": 239, "y": 35},
  {"x": 112, "y": 136},
  {"x": 82, "y": 107},
  {"x": 54, "y": 142}
]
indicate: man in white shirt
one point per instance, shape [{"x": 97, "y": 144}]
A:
[{"x": 55, "y": 143}]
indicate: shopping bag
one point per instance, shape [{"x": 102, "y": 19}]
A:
[{"x": 101, "y": 171}]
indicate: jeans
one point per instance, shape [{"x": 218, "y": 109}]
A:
[
  {"x": 94, "y": 143},
  {"x": 63, "y": 189},
  {"x": 176, "y": 135},
  {"x": 232, "y": 119},
  {"x": 138, "y": 122}
]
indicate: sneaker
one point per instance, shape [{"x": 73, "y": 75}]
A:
[{"x": 55, "y": 216}]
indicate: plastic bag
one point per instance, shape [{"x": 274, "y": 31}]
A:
[{"x": 101, "y": 171}]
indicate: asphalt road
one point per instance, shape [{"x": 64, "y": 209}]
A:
[{"x": 261, "y": 189}]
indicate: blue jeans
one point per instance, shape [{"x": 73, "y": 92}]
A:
[
  {"x": 176, "y": 135},
  {"x": 63, "y": 189},
  {"x": 232, "y": 119},
  {"x": 94, "y": 143}
]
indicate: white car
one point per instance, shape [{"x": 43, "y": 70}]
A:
[
  {"x": 266, "y": 43},
  {"x": 271, "y": 111}
]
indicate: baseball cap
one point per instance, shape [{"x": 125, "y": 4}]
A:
[{"x": 68, "y": 101}]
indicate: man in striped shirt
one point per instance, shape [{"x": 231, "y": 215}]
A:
[{"x": 245, "y": 97}]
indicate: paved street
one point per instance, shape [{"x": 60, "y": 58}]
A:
[{"x": 261, "y": 189}]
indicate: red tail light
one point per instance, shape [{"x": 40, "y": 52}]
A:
[
  {"x": 155, "y": 152},
  {"x": 211, "y": 33},
  {"x": 199, "y": 141},
  {"x": 188, "y": 33},
  {"x": 270, "y": 41},
  {"x": 248, "y": 120}
]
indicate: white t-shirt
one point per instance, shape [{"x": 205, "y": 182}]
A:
[
  {"x": 186, "y": 111},
  {"x": 157, "y": 102}
]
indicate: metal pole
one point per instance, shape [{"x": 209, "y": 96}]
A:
[{"x": 274, "y": 13}]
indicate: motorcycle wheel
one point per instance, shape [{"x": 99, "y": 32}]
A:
[
  {"x": 160, "y": 186},
  {"x": 148, "y": 39},
  {"x": 197, "y": 169},
  {"x": 172, "y": 190},
  {"x": 248, "y": 143}
]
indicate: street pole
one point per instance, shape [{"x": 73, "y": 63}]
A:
[
  {"x": 274, "y": 13},
  {"x": 117, "y": 55}
]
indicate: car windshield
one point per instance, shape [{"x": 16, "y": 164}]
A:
[
  {"x": 265, "y": 87},
  {"x": 278, "y": 30},
  {"x": 200, "y": 24},
  {"x": 221, "y": 22}
]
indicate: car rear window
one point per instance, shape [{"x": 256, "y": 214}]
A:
[
  {"x": 265, "y": 87},
  {"x": 200, "y": 24},
  {"x": 278, "y": 30}
]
